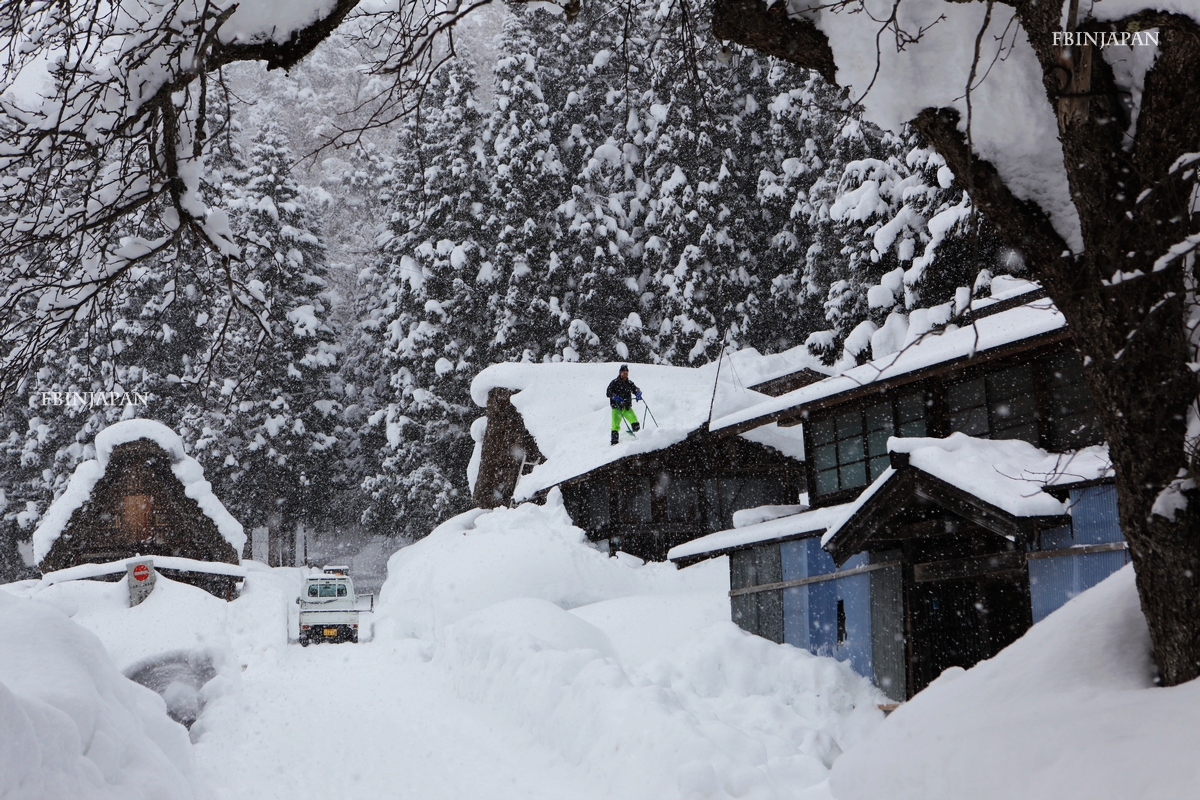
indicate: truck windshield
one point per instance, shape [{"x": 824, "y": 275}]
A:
[{"x": 326, "y": 590}]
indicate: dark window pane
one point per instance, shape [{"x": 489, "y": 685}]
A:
[
  {"x": 965, "y": 395},
  {"x": 972, "y": 422},
  {"x": 878, "y": 465},
  {"x": 879, "y": 417},
  {"x": 854, "y": 475},
  {"x": 910, "y": 411},
  {"x": 911, "y": 408},
  {"x": 1072, "y": 422},
  {"x": 683, "y": 500},
  {"x": 822, "y": 431},
  {"x": 740, "y": 493},
  {"x": 1011, "y": 381},
  {"x": 635, "y": 501},
  {"x": 825, "y": 456},
  {"x": 877, "y": 442},
  {"x": 850, "y": 450},
  {"x": 596, "y": 499},
  {"x": 712, "y": 505},
  {"x": 849, "y": 424},
  {"x": 827, "y": 481}
]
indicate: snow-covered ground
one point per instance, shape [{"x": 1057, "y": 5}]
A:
[
  {"x": 1067, "y": 711},
  {"x": 510, "y": 660}
]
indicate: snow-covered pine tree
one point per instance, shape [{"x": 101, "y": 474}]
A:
[
  {"x": 527, "y": 182},
  {"x": 433, "y": 333},
  {"x": 271, "y": 445}
]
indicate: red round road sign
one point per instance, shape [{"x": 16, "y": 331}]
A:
[{"x": 141, "y": 572}]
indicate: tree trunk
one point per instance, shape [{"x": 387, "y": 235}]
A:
[{"x": 1133, "y": 333}]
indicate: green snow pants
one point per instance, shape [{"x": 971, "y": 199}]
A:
[{"x": 626, "y": 414}]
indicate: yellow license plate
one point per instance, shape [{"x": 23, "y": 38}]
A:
[{"x": 331, "y": 631}]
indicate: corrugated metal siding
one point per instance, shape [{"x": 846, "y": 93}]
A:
[
  {"x": 1094, "y": 515},
  {"x": 810, "y": 612},
  {"x": 1054, "y": 581}
]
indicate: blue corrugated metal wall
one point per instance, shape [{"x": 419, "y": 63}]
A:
[
  {"x": 1053, "y": 581},
  {"x": 810, "y": 612}
]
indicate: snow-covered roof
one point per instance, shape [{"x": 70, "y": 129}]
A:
[
  {"x": 921, "y": 350},
  {"x": 1008, "y": 473},
  {"x": 88, "y": 474},
  {"x": 565, "y": 409},
  {"x": 812, "y": 522}
]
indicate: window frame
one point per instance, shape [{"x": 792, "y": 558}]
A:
[{"x": 1044, "y": 362}]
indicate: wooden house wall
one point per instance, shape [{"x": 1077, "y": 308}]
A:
[
  {"x": 647, "y": 504},
  {"x": 139, "y": 507}
]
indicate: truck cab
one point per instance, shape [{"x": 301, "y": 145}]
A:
[{"x": 328, "y": 608}]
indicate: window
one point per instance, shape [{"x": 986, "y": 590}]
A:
[
  {"x": 1072, "y": 422},
  {"x": 850, "y": 449},
  {"x": 1000, "y": 405},
  {"x": 1012, "y": 405},
  {"x": 634, "y": 499},
  {"x": 724, "y": 496},
  {"x": 328, "y": 590},
  {"x": 682, "y": 499},
  {"x": 595, "y": 511},
  {"x": 312, "y": 590}
]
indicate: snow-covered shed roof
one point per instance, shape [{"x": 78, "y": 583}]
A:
[
  {"x": 185, "y": 468},
  {"x": 990, "y": 330},
  {"x": 805, "y": 523},
  {"x": 1007, "y": 475},
  {"x": 565, "y": 409}
]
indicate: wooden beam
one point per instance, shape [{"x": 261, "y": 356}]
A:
[{"x": 971, "y": 567}]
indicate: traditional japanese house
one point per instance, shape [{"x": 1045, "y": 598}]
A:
[
  {"x": 548, "y": 425},
  {"x": 142, "y": 495},
  {"x": 959, "y": 492}
]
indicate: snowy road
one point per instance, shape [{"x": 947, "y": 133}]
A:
[
  {"x": 375, "y": 720},
  {"x": 511, "y": 662}
]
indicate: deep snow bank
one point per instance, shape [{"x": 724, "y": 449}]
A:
[
  {"x": 477, "y": 559},
  {"x": 71, "y": 726},
  {"x": 1067, "y": 711},
  {"x": 631, "y": 672}
]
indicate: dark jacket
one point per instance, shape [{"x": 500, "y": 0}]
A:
[{"x": 624, "y": 389}]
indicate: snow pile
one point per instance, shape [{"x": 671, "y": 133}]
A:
[
  {"x": 88, "y": 474},
  {"x": 1067, "y": 711},
  {"x": 632, "y": 673},
  {"x": 922, "y": 348},
  {"x": 565, "y": 409},
  {"x": 481, "y": 558},
  {"x": 71, "y": 725},
  {"x": 1008, "y": 473}
]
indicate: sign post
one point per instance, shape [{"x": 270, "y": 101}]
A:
[{"x": 140, "y": 576}]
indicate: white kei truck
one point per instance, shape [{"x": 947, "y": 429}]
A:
[{"x": 329, "y": 607}]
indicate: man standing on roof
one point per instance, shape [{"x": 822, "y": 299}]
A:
[{"x": 621, "y": 394}]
